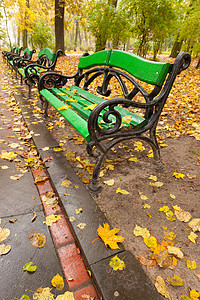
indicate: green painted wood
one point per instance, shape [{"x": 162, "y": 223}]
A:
[
  {"x": 143, "y": 69},
  {"x": 96, "y": 59},
  {"x": 72, "y": 117},
  {"x": 27, "y": 50},
  {"x": 48, "y": 53},
  {"x": 137, "y": 121},
  {"x": 67, "y": 95}
]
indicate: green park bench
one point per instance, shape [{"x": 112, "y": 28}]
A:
[
  {"x": 6, "y": 53},
  {"x": 10, "y": 56},
  {"x": 31, "y": 71},
  {"x": 105, "y": 122}
]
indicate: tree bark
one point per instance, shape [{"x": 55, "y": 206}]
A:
[
  {"x": 176, "y": 47},
  {"x": 7, "y": 27},
  {"x": 198, "y": 64},
  {"x": 59, "y": 25}
]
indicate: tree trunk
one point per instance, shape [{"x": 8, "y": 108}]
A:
[
  {"x": 7, "y": 31},
  {"x": 176, "y": 47},
  {"x": 25, "y": 32},
  {"x": 76, "y": 35},
  {"x": 59, "y": 25},
  {"x": 198, "y": 64},
  {"x": 100, "y": 43}
]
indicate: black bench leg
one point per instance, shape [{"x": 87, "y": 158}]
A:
[
  {"x": 156, "y": 150},
  {"x": 21, "y": 80},
  {"x": 93, "y": 185},
  {"x": 46, "y": 106}
]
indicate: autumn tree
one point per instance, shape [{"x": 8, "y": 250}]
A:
[
  {"x": 152, "y": 20},
  {"x": 106, "y": 22}
]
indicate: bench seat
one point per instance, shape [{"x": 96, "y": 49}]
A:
[{"x": 78, "y": 112}]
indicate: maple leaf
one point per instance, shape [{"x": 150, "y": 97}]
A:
[
  {"x": 8, "y": 155},
  {"x": 109, "y": 237},
  {"x": 116, "y": 263},
  {"x": 194, "y": 294},
  {"x": 58, "y": 282}
]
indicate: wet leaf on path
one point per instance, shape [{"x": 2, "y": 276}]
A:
[
  {"x": 109, "y": 237},
  {"x": 58, "y": 282},
  {"x": 29, "y": 267},
  {"x": 4, "y": 249},
  {"x": 37, "y": 239},
  {"x": 116, "y": 263},
  {"x": 52, "y": 219}
]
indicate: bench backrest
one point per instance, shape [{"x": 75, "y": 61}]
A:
[
  {"x": 47, "y": 53},
  {"x": 142, "y": 69},
  {"x": 18, "y": 50}
]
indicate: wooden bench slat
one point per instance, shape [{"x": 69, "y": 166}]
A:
[
  {"x": 137, "y": 121},
  {"x": 78, "y": 106},
  {"x": 73, "y": 118},
  {"x": 148, "y": 71}
]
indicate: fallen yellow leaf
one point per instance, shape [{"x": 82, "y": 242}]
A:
[
  {"x": 109, "y": 237},
  {"x": 58, "y": 282},
  {"x": 195, "y": 224},
  {"x": 4, "y": 249},
  {"x": 52, "y": 219},
  {"x": 175, "y": 251},
  {"x": 37, "y": 239},
  {"x": 139, "y": 231},
  {"x": 161, "y": 287},
  {"x": 66, "y": 296},
  {"x": 178, "y": 175},
  {"x": 191, "y": 264},
  {"x": 116, "y": 263},
  {"x": 4, "y": 234},
  {"x": 81, "y": 225},
  {"x": 8, "y": 155},
  {"x": 121, "y": 191},
  {"x": 175, "y": 280},
  {"x": 192, "y": 237},
  {"x": 109, "y": 182},
  {"x": 150, "y": 242},
  {"x": 182, "y": 215}
]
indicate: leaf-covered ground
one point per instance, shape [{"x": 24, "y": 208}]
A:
[{"x": 134, "y": 193}]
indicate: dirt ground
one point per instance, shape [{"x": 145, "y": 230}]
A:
[{"x": 180, "y": 152}]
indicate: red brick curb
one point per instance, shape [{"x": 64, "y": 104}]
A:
[{"x": 75, "y": 272}]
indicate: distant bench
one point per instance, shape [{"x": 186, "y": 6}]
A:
[
  {"x": 31, "y": 71},
  {"x": 104, "y": 123}
]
